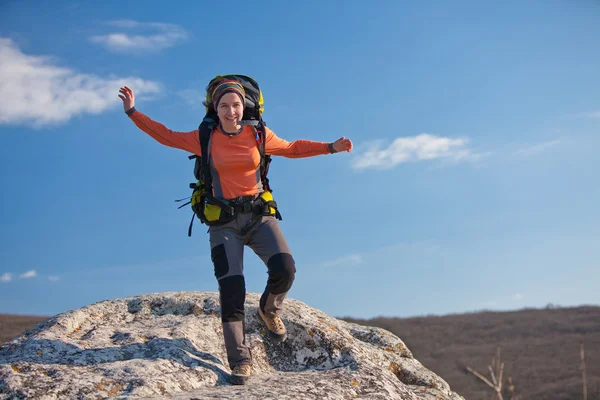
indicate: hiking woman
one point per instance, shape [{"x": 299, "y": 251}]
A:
[{"x": 235, "y": 166}]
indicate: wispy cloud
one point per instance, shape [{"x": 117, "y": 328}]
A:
[
  {"x": 28, "y": 274},
  {"x": 146, "y": 37},
  {"x": 389, "y": 251},
  {"x": 595, "y": 114},
  {"x": 416, "y": 148},
  {"x": 490, "y": 303},
  {"x": 517, "y": 297},
  {"x": 537, "y": 148},
  {"x": 351, "y": 259},
  {"x": 35, "y": 91},
  {"x": 193, "y": 97},
  {"x": 8, "y": 277},
  {"x": 591, "y": 114}
]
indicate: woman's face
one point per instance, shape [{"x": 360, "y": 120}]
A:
[{"x": 230, "y": 109}]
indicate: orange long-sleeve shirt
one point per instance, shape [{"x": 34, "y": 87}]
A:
[{"x": 234, "y": 159}]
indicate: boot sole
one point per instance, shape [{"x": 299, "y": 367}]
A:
[
  {"x": 272, "y": 335},
  {"x": 277, "y": 338},
  {"x": 238, "y": 380}
]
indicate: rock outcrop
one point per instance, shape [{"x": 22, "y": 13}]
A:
[{"x": 170, "y": 345}]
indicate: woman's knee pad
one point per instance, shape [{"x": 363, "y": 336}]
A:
[
  {"x": 220, "y": 261},
  {"x": 232, "y": 294},
  {"x": 282, "y": 270}
]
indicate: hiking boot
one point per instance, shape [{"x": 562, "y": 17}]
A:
[
  {"x": 240, "y": 374},
  {"x": 274, "y": 326}
]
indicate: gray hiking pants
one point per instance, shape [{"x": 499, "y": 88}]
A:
[{"x": 227, "y": 250}]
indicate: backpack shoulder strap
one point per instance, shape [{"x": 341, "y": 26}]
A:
[
  {"x": 204, "y": 132},
  {"x": 265, "y": 159}
]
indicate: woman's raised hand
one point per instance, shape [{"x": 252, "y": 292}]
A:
[{"x": 128, "y": 98}]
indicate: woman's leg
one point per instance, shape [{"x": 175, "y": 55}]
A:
[
  {"x": 227, "y": 252},
  {"x": 268, "y": 242}
]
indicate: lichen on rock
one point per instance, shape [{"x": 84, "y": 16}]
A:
[{"x": 171, "y": 345}]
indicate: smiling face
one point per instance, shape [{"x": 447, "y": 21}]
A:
[{"x": 230, "y": 111}]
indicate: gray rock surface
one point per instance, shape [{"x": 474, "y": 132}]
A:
[{"x": 170, "y": 345}]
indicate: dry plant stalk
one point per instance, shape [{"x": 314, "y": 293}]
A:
[
  {"x": 511, "y": 389},
  {"x": 582, "y": 367},
  {"x": 496, "y": 372}
]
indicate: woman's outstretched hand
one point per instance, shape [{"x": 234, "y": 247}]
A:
[
  {"x": 127, "y": 97},
  {"x": 342, "y": 144}
]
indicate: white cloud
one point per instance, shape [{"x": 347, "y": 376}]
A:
[
  {"x": 53, "y": 278},
  {"x": 351, "y": 259},
  {"x": 537, "y": 148},
  {"x": 161, "y": 36},
  {"x": 416, "y": 148},
  {"x": 6, "y": 277},
  {"x": 28, "y": 274},
  {"x": 35, "y": 91},
  {"x": 517, "y": 296}
]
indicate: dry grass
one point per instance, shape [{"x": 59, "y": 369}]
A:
[
  {"x": 540, "y": 349},
  {"x": 12, "y": 326}
]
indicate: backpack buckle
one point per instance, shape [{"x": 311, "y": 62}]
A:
[{"x": 247, "y": 207}]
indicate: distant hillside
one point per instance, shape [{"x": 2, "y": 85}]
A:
[
  {"x": 540, "y": 349},
  {"x": 13, "y": 325}
]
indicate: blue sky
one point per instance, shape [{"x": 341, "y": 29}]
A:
[{"x": 472, "y": 185}]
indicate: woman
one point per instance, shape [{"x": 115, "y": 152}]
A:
[{"x": 235, "y": 167}]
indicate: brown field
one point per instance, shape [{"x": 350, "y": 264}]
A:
[
  {"x": 12, "y": 326},
  {"x": 540, "y": 349}
]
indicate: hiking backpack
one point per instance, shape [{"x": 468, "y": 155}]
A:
[{"x": 210, "y": 210}]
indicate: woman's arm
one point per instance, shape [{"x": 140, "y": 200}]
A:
[
  {"x": 302, "y": 148},
  {"x": 188, "y": 141}
]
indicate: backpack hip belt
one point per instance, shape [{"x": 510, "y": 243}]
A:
[{"x": 262, "y": 204}]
